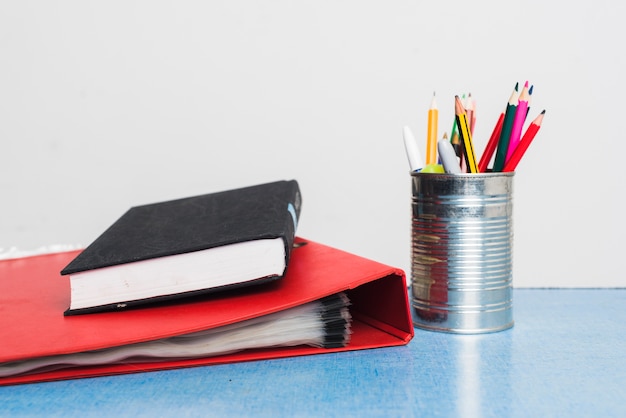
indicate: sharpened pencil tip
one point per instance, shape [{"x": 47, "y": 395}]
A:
[
  {"x": 517, "y": 86},
  {"x": 530, "y": 90},
  {"x": 543, "y": 112},
  {"x": 433, "y": 103}
]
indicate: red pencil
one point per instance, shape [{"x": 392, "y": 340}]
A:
[
  {"x": 521, "y": 148},
  {"x": 491, "y": 145}
]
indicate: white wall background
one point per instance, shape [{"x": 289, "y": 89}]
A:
[{"x": 110, "y": 104}]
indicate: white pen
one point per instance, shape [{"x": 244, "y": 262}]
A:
[
  {"x": 448, "y": 156},
  {"x": 416, "y": 161}
]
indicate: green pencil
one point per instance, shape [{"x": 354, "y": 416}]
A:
[{"x": 505, "y": 134}]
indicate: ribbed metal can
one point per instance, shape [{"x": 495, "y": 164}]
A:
[{"x": 462, "y": 252}]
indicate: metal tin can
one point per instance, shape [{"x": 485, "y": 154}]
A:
[{"x": 462, "y": 252}]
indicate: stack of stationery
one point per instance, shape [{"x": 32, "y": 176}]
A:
[{"x": 314, "y": 299}]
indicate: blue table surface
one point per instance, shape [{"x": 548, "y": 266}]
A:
[{"x": 565, "y": 357}]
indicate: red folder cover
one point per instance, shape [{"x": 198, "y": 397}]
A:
[{"x": 33, "y": 296}]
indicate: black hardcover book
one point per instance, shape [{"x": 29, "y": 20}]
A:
[{"x": 188, "y": 246}]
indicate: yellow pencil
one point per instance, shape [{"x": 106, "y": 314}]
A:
[
  {"x": 466, "y": 135},
  {"x": 431, "y": 139}
]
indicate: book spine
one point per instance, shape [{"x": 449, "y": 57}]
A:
[{"x": 294, "y": 206}]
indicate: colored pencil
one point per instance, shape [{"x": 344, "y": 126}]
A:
[
  {"x": 491, "y": 145},
  {"x": 530, "y": 97},
  {"x": 518, "y": 122},
  {"x": 466, "y": 136},
  {"x": 469, "y": 109},
  {"x": 454, "y": 133},
  {"x": 455, "y": 143},
  {"x": 505, "y": 134},
  {"x": 529, "y": 135},
  {"x": 431, "y": 139}
]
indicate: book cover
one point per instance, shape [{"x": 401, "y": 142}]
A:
[
  {"x": 33, "y": 297},
  {"x": 134, "y": 260}
]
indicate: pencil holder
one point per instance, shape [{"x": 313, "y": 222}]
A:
[{"x": 462, "y": 250}]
